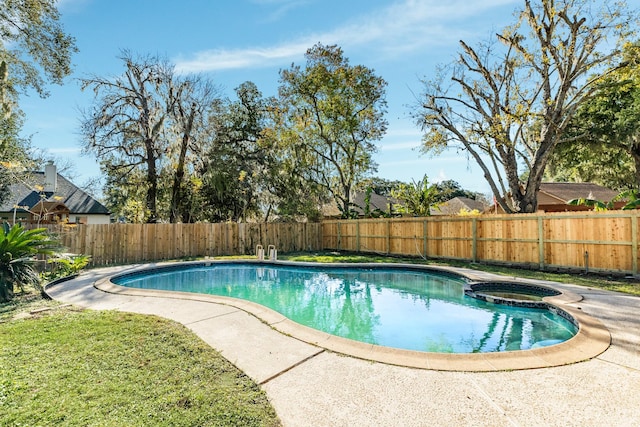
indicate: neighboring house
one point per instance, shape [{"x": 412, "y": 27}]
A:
[
  {"x": 49, "y": 198},
  {"x": 376, "y": 203},
  {"x": 554, "y": 196},
  {"x": 457, "y": 204}
]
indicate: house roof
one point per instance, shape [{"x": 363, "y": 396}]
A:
[
  {"x": 562, "y": 192},
  {"x": 74, "y": 198},
  {"x": 455, "y": 205},
  {"x": 376, "y": 202}
]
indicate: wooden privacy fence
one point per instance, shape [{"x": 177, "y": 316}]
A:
[
  {"x": 130, "y": 243},
  {"x": 596, "y": 241}
]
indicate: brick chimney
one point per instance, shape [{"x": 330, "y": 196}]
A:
[{"x": 50, "y": 178}]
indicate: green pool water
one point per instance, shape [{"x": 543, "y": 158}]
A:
[{"x": 408, "y": 309}]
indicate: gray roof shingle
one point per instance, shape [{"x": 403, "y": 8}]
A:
[
  {"x": 566, "y": 191},
  {"x": 74, "y": 198},
  {"x": 455, "y": 205}
]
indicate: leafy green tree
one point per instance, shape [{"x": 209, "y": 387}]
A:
[
  {"x": 6, "y": 103},
  {"x": 327, "y": 118},
  {"x": 17, "y": 250},
  {"x": 587, "y": 161},
  {"x": 14, "y": 152},
  {"x": 189, "y": 100},
  {"x": 245, "y": 175},
  {"x": 507, "y": 104},
  {"x": 380, "y": 186},
  {"x": 33, "y": 45},
  {"x": 417, "y": 198},
  {"x": 125, "y": 196},
  {"x": 289, "y": 195},
  {"x": 602, "y": 142},
  {"x": 449, "y": 189},
  {"x": 233, "y": 172}
]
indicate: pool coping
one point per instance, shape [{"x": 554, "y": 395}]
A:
[{"x": 592, "y": 338}]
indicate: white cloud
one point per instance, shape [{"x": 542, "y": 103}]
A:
[
  {"x": 412, "y": 24},
  {"x": 402, "y": 27},
  {"x": 282, "y": 7},
  {"x": 399, "y": 138},
  {"x": 232, "y": 59}
]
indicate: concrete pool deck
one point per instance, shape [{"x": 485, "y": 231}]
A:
[{"x": 309, "y": 385}]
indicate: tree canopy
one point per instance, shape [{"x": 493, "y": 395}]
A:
[
  {"x": 507, "y": 103},
  {"x": 232, "y": 172},
  {"x": 34, "y": 45},
  {"x": 603, "y": 139},
  {"x": 449, "y": 189},
  {"x": 326, "y": 119}
]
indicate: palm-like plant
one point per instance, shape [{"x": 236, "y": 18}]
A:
[
  {"x": 18, "y": 248},
  {"x": 630, "y": 197},
  {"x": 418, "y": 198}
]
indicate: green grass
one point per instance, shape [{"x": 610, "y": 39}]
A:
[
  {"x": 610, "y": 283},
  {"x": 79, "y": 368}
]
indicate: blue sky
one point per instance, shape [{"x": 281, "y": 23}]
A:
[{"x": 233, "y": 41}]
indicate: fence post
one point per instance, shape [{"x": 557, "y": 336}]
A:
[
  {"x": 357, "y": 235},
  {"x": 388, "y": 236},
  {"x": 424, "y": 236},
  {"x": 474, "y": 241},
  {"x": 540, "y": 242},
  {"x": 339, "y": 237},
  {"x": 634, "y": 242}
]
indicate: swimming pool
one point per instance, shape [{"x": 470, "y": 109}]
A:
[{"x": 390, "y": 306}]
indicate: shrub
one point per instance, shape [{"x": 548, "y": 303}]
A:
[
  {"x": 67, "y": 265},
  {"x": 18, "y": 248}
]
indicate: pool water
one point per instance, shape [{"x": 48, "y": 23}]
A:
[{"x": 401, "y": 308}]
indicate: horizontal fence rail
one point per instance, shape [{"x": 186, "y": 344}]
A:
[
  {"x": 110, "y": 244},
  {"x": 590, "y": 241}
]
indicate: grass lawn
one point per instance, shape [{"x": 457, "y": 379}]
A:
[
  {"x": 610, "y": 283},
  {"x": 77, "y": 368}
]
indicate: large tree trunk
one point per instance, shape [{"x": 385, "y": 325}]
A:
[
  {"x": 346, "y": 202},
  {"x": 175, "y": 213},
  {"x": 152, "y": 180},
  {"x": 635, "y": 154}
]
